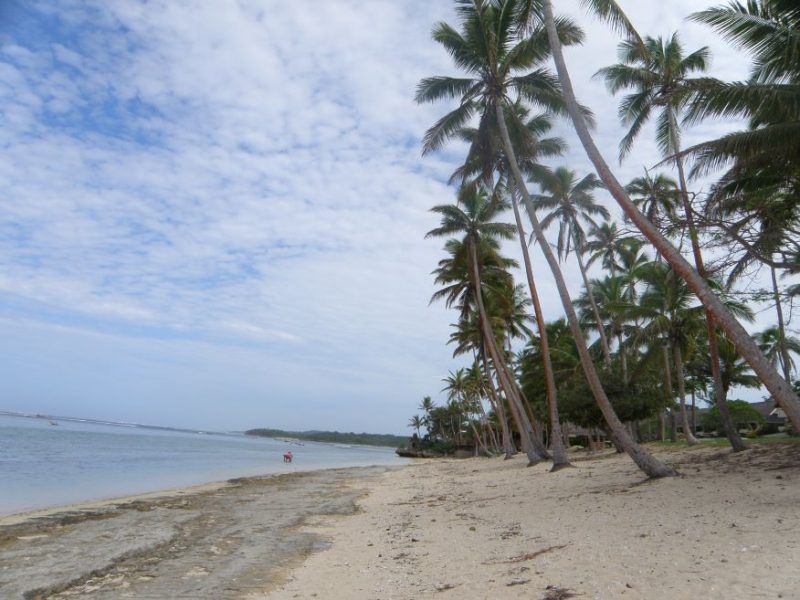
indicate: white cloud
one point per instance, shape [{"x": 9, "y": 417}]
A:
[{"x": 246, "y": 175}]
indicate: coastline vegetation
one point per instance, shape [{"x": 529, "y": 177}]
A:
[
  {"x": 661, "y": 328},
  {"x": 333, "y": 437}
]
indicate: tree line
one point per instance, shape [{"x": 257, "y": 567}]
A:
[{"x": 658, "y": 325}]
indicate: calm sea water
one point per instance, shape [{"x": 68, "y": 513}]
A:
[{"x": 43, "y": 465}]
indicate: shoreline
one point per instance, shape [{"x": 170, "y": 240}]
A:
[
  {"x": 441, "y": 528},
  {"x": 217, "y": 540}
]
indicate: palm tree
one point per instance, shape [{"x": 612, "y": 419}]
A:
[
  {"x": 571, "y": 203},
  {"x": 655, "y": 197},
  {"x": 609, "y": 11},
  {"x": 472, "y": 217},
  {"x": 610, "y": 297},
  {"x": 777, "y": 347},
  {"x": 486, "y": 50},
  {"x": 667, "y": 305},
  {"x": 659, "y": 75},
  {"x": 453, "y": 274},
  {"x": 604, "y": 243},
  {"x": 770, "y": 99},
  {"x": 416, "y": 423}
]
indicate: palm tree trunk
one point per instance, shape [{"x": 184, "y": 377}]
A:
[
  {"x": 497, "y": 404},
  {"x": 560, "y": 459},
  {"x": 668, "y": 386},
  {"x": 517, "y": 410},
  {"x": 786, "y": 361},
  {"x": 624, "y": 359},
  {"x": 644, "y": 460},
  {"x": 780, "y": 389},
  {"x": 593, "y": 304},
  {"x": 687, "y": 430},
  {"x": 711, "y": 330}
]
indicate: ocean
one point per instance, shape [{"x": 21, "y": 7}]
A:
[{"x": 44, "y": 465}]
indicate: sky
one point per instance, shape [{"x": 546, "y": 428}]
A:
[{"x": 213, "y": 213}]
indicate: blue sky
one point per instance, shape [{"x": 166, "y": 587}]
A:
[{"x": 213, "y": 212}]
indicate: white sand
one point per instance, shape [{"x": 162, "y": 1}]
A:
[{"x": 483, "y": 528}]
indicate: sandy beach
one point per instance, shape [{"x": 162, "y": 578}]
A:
[
  {"x": 492, "y": 529},
  {"x": 474, "y": 528}
]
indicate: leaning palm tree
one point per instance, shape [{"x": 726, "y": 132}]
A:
[
  {"x": 473, "y": 218},
  {"x": 571, "y": 204},
  {"x": 484, "y": 159},
  {"x": 541, "y": 11},
  {"x": 487, "y": 51},
  {"x": 659, "y": 76}
]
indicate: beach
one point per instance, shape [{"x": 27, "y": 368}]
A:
[{"x": 470, "y": 528}]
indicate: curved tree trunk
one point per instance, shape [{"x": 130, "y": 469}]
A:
[
  {"x": 644, "y": 460},
  {"x": 497, "y": 404},
  {"x": 687, "y": 430},
  {"x": 517, "y": 410},
  {"x": 560, "y": 459},
  {"x": 786, "y": 361},
  {"x": 781, "y": 391},
  {"x": 711, "y": 330},
  {"x": 623, "y": 359},
  {"x": 593, "y": 304}
]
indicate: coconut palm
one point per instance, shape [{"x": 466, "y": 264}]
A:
[
  {"x": 660, "y": 76},
  {"x": 655, "y": 196},
  {"x": 603, "y": 243},
  {"x": 671, "y": 315},
  {"x": 571, "y": 204},
  {"x": 777, "y": 347},
  {"x": 609, "y": 11},
  {"x": 416, "y": 423},
  {"x": 473, "y": 218},
  {"x": 468, "y": 334},
  {"x": 770, "y": 99},
  {"x": 486, "y": 49}
]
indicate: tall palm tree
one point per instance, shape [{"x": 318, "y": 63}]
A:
[
  {"x": 486, "y": 49},
  {"x": 604, "y": 243},
  {"x": 571, "y": 205},
  {"x": 777, "y": 347},
  {"x": 669, "y": 310},
  {"x": 655, "y": 196},
  {"x": 610, "y": 297},
  {"x": 467, "y": 334},
  {"x": 609, "y": 11},
  {"x": 660, "y": 77},
  {"x": 473, "y": 218}
]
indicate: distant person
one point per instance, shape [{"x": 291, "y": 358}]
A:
[{"x": 287, "y": 456}]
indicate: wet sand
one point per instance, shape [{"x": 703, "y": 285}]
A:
[{"x": 215, "y": 541}]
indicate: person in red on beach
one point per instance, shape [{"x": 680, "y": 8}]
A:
[{"x": 287, "y": 456}]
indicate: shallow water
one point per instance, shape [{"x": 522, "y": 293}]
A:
[{"x": 42, "y": 465}]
